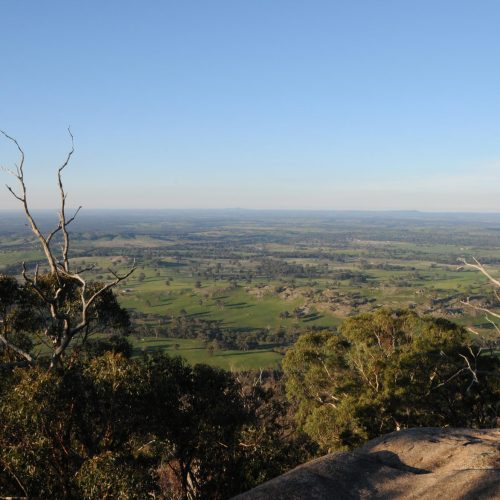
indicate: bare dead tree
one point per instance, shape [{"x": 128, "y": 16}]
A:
[
  {"x": 53, "y": 289},
  {"x": 489, "y": 312},
  {"x": 471, "y": 365}
]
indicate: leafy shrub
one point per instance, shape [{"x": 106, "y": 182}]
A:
[{"x": 385, "y": 371}]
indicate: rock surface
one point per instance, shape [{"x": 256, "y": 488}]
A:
[{"x": 420, "y": 463}]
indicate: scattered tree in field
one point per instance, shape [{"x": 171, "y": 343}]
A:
[{"x": 284, "y": 315}]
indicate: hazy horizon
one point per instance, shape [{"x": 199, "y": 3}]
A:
[
  {"x": 282, "y": 105},
  {"x": 237, "y": 210}
]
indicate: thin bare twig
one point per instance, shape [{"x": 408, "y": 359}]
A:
[
  {"x": 16, "y": 349},
  {"x": 480, "y": 268}
]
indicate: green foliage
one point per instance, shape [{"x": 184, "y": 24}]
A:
[
  {"x": 111, "y": 427},
  {"x": 116, "y": 344},
  {"x": 110, "y": 476},
  {"x": 18, "y": 318},
  {"x": 270, "y": 445},
  {"x": 385, "y": 371}
]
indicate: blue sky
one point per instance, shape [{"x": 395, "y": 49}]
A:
[{"x": 256, "y": 104}]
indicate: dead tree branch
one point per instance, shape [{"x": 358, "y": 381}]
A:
[
  {"x": 67, "y": 319},
  {"x": 478, "y": 266},
  {"x": 489, "y": 312},
  {"x": 16, "y": 349}
]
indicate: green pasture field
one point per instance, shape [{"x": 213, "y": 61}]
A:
[
  {"x": 247, "y": 270},
  {"x": 239, "y": 308},
  {"x": 13, "y": 257},
  {"x": 194, "y": 352}
]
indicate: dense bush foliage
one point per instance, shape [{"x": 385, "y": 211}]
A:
[
  {"x": 18, "y": 318},
  {"x": 111, "y": 427},
  {"x": 386, "y": 371}
]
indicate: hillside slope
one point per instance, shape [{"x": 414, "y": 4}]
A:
[{"x": 425, "y": 463}]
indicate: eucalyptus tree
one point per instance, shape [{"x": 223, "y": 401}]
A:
[{"x": 383, "y": 372}]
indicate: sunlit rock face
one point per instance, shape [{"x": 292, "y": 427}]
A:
[{"x": 425, "y": 463}]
